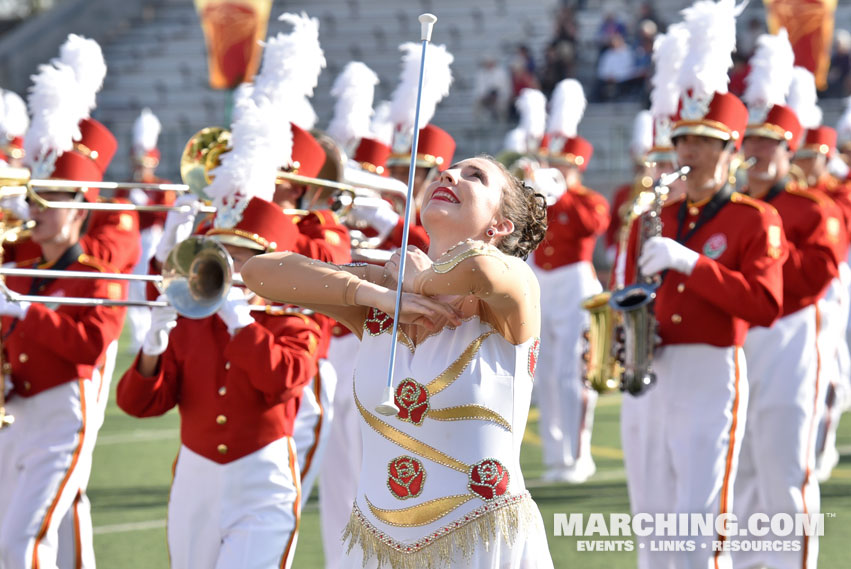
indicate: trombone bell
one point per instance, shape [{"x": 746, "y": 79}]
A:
[{"x": 197, "y": 276}]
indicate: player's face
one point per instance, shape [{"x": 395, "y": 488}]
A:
[
  {"x": 707, "y": 157},
  {"x": 466, "y": 198},
  {"x": 772, "y": 157},
  {"x": 54, "y": 224}
]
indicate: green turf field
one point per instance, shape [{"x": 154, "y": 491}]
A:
[{"x": 132, "y": 472}]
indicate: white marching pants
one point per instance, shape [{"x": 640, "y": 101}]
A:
[
  {"x": 46, "y": 460},
  {"x": 565, "y": 402},
  {"x": 76, "y": 542},
  {"x": 836, "y": 368},
  {"x": 778, "y": 452},
  {"x": 681, "y": 441},
  {"x": 139, "y": 317},
  {"x": 338, "y": 481},
  {"x": 242, "y": 514},
  {"x": 313, "y": 423}
]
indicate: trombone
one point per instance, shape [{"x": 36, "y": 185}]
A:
[{"x": 195, "y": 278}]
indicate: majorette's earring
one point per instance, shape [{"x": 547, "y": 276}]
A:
[{"x": 490, "y": 232}]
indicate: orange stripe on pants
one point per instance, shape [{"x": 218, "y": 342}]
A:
[{"x": 728, "y": 467}]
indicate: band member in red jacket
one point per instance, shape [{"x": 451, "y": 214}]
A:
[
  {"x": 563, "y": 265},
  {"x": 55, "y": 359}
]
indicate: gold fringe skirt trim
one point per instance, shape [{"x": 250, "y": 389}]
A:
[{"x": 508, "y": 516}]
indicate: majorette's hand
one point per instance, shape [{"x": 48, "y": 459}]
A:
[
  {"x": 236, "y": 312},
  {"x": 660, "y": 253},
  {"x": 419, "y": 310},
  {"x": 163, "y": 321},
  {"x": 415, "y": 263},
  {"x": 178, "y": 225}
]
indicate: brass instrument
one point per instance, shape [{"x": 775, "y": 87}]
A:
[
  {"x": 602, "y": 369},
  {"x": 196, "y": 278},
  {"x": 635, "y": 302}
]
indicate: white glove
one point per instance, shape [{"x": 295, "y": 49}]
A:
[
  {"x": 236, "y": 312},
  {"x": 378, "y": 214},
  {"x": 163, "y": 321},
  {"x": 178, "y": 225},
  {"x": 14, "y": 308},
  {"x": 17, "y": 205},
  {"x": 549, "y": 182},
  {"x": 138, "y": 196},
  {"x": 660, "y": 253}
]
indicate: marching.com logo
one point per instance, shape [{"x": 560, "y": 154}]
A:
[{"x": 666, "y": 531}]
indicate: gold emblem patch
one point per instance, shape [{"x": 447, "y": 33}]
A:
[{"x": 775, "y": 241}]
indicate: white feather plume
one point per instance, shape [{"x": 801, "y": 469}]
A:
[
  {"x": 258, "y": 140},
  {"x": 295, "y": 59},
  {"x": 669, "y": 51},
  {"x": 642, "y": 134},
  {"x": 531, "y": 105},
  {"x": 843, "y": 127},
  {"x": 516, "y": 140},
  {"x": 14, "y": 119},
  {"x": 302, "y": 114},
  {"x": 767, "y": 83},
  {"x": 803, "y": 98},
  {"x": 63, "y": 93},
  {"x": 567, "y": 105},
  {"x": 436, "y": 82},
  {"x": 712, "y": 41},
  {"x": 146, "y": 131},
  {"x": 381, "y": 128},
  {"x": 354, "y": 89}
]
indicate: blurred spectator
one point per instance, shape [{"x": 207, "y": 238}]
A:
[
  {"x": 839, "y": 76},
  {"x": 560, "y": 53},
  {"x": 492, "y": 89},
  {"x": 522, "y": 76},
  {"x": 615, "y": 70},
  {"x": 746, "y": 43},
  {"x": 610, "y": 27},
  {"x": 647, "y": 13},
  {"x": 645, "y": 36},
  {"x": 740, "y": 70}
]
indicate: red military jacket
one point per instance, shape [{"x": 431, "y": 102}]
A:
[
  {"x": 417, "y": 235},
  {"x": 573, "y": 224},
  {"x": 813, "y": 231},
  {"x": 54, "y": 345},
  {"x": 738, "y": 278},
  {"x": 840, "y": 193},
  {"x": 323, "y": 237},
  {"x": 621, "y": 196},
  {"x": 235, "y": 394}
]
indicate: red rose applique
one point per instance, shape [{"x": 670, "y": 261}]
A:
[
  {"x": 377, "y": 322},
  {"x": 412, "y": 401},
  {"x": 488, "y": 479},
  {"x": 406, "y": 477},
  {"x": 534, "y": 350}
]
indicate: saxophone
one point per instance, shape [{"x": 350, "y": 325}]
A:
[{"x": 637, "y": 334}]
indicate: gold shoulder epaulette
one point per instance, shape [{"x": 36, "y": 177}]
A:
[
  {"x": 747, "y": 200},
  {"x": 806, "y": 194},
  {"x": 28, "y": 262},
  {"x": 100, "y": 265}
]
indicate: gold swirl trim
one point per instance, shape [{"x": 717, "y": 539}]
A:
[
  {"x": 408, "y": 442},
  {"x": 421, "y": 514},
  {"x": 472, "y": 412},
  {"x": 457, "y": 367},
  {"x": 442, "y": 267}
]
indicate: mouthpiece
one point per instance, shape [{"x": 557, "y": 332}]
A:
[
  {"x": 426, "y": 26},
  {"x": 749, "y": 163}
]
